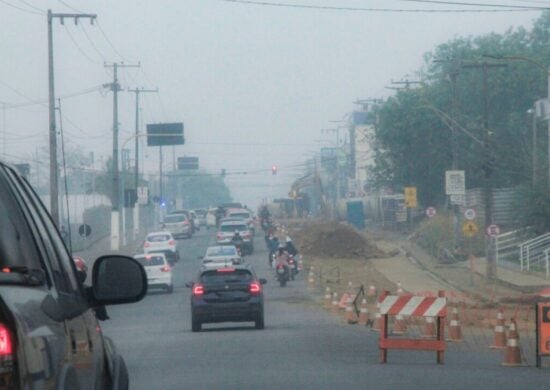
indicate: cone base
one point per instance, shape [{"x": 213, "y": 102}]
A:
[{"x": 496, "y": 347}]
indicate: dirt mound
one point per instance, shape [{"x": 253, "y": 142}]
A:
[{"x": 332, "y": 239}]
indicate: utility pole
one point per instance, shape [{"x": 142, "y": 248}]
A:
[
  {"x": 488, "y": 164},
  {"x": 115, "y": 214},
  {"x": 54, "y": 181},
  {"x": 137, "y": 91}
]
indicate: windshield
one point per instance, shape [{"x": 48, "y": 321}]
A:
[
  {"x": 175, "y": 218},
  {"x": 217, "y": 276},
  {"x": 158, "y": 238},
  {"x": 239, "y": 215},
  {"x": 152, "y": 260},
  {"x": 221, "y": 251},
  {"x": 232, "y": 228}
]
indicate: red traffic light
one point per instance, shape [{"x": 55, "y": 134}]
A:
[{"x": 274, "y": 169}]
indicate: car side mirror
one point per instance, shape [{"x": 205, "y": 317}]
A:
[
  {"x": 118, "y": 279},
  {"x": 189, "y": 284},
  {"x": 263, "y": 281}
]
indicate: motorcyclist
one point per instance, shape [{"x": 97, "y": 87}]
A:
[
  {"x": 272, "y": 246},
  {"x": 238, "y": 241},
  {"x": 289, "y": 247},
  {"x": 282, "y": 256}
]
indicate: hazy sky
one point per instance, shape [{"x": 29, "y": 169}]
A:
[{"x": 239, "y": 76}]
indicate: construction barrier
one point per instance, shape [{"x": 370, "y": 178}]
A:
[{"x": 413, "y": 306}]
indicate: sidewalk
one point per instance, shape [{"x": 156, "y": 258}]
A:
[{"x": 418, "y": 271}]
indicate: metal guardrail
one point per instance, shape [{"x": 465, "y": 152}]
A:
[
  {"x": 506, "y": 245},
  {"x": 533, "y": 249}
]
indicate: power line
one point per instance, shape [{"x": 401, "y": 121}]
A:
[
  {"x": 32, "y": 6},
  {"x": 522, "y": 7},
  {"x": 69, "y": 6},
  {"x": 92, "y": 42},
  {"x": 109, "y": 42},
  {"x": 79, "y": 48},
  {"x": 363, "y": 9},
  {"x": 21, "y": 9}
]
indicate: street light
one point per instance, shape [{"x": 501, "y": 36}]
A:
[{"x": 546, "y": 70}]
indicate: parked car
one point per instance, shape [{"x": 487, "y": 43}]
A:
[
  {"x": 162, "y": 242},
  {"x": 50, "y": 337},
  {"x": 227, "y": 231},
  {"x": 158, "y": 269},
  {"x": 227, "y": 294},
  {"x": 178, "y": 224},
  {"x": 221, "y": 254}
]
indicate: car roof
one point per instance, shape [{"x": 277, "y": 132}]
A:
[{"x": 234, "y": 222}]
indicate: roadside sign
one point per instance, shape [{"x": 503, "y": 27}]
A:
[
  {"x": 470, "y": 214},
  {"x": 469, "y": 229},
  {"x": 84, "y": 230},
  {"x": 455, "y": 183},
  {"x": 143, "y": 195},
  {"x": 493, "y": 230},
  {"x": 543, "y": 330},
  {"x": 410, "y": 197},
  {"x": 431, "y": 212},
  {"x": 185, "y": 163}
]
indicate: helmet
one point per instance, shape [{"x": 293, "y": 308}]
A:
[{"x": 288, "y": 239}]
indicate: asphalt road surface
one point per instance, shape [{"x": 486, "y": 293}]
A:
[{"x": 302, "y": 346}]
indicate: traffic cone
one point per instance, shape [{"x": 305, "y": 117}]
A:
[
  {"x": 311, "y": 279},
  {"x": 455, "y": 330},
  {"x": 428, "y": 331},
  {"x": 328, "y": 298},
  {"x": 376, "y": 323},
  {"x": 371, "y": 292},
  {"x": 364, "y": 313},
  {"x": 512, "y": 355},
  {"x": 399, "y": 325},
  {"x": 335, "y": 302},
  {"x": 351, "y": 317},
  {"x": 499, "y": 341},
  {"x": 400, "y": 290}
]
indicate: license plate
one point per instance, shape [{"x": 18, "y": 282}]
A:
[{"x": 280, "y": 271}]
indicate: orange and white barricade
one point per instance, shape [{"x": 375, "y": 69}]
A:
[{"x": 414, "y": 306}]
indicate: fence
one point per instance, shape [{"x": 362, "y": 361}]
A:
[{"x": 532, "y": 253}]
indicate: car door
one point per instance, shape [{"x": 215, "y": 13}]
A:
[{"x": 84, "y": 351}]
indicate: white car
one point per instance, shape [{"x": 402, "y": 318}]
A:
[
  {"x": 244, "y": 214},
  {"x": 178, "y": 225},
  {"x": 221, "y": 255},
  {"x": 159, "y": 271},
  {"x": 162, "y": 242},
  {"x": 227, "y": 231}
]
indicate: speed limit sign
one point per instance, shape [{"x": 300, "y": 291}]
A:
[
  {"x": 431, "y": 212},
  {"x": 470, "y": 214},
  {"x": 493, "y": 230}
]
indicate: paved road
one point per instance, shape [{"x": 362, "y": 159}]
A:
[{"x": 301, "y": 347}]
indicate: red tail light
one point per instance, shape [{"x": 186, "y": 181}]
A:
[
  {"x": 166, "y": 268},
  {"x": 6, "y": 345},
  {"x": 226, "y": 270},
  {"x": 255, "y": 288},
  {"x": 198, "y": 289},
  {"x": 171, "y": 242}
]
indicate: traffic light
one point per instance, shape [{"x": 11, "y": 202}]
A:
[{"x": 274, "y": 169}]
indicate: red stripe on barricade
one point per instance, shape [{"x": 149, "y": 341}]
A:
[
  {"x": 399, "y": 304},
  {"x": 425, "y": 305}
]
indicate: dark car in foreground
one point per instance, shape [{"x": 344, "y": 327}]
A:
[
  {"x": 227, "y": 294},
  {"x": 50, "y": 337}
]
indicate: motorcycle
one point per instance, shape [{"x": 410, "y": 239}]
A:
[
  {"x": 293, "y": 264},
  {"x": 282, "y": 274}
]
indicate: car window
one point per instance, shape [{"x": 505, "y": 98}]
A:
[
  {"x": 175, "y": 218},
  {"x": 224, "y": 276},
  {"x": 148, "y": 261},
  {"x": 232, "y": 228},
  {"x": 61, "y": 262},
  {"x": 221, "y": 251},
  {"x": 239, "y": 215},
  {"x": 158, "y": 238}
]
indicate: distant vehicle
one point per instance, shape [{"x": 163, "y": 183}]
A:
[
  {"x": 221, "y": 255},
  {"x": 244, "y": 214},
  {"x": 227, "y": 294},
  {"x": 159, "y": 271},
  {"x": 50, "y": 337},
  {"x": 227, "y": 231},
  {"x": 161, "y": 242},
  {"x": 201, "y": 216},
  {"x": 189, "y": 216},
  {"x": 211, "y": 218},
  {"x": 178, "y": 224}
]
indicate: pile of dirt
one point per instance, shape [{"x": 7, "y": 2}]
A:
[{"x": 332, "y": 239}]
